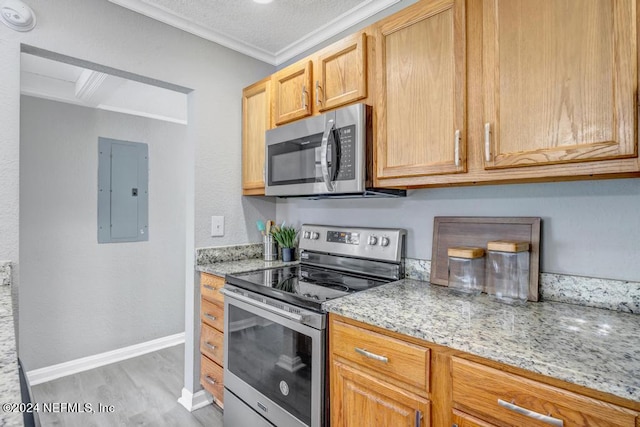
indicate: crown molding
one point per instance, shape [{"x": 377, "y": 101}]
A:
[
  {"x": 324, "y": 32},
  {"x": 332, "y": 28},
  {"x": 170, "y": 18}
]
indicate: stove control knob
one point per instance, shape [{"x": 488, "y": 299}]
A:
[
  {"x": 372, "y": 240},
  {"x": 314, "y": 235},
  {"x": 384, "y": 241},
  {"x": 306, "y": 235}
]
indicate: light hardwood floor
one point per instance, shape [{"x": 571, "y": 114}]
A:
[{"x": 143, "y": 390}]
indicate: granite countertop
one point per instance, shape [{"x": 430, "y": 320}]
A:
[
  {"x": 9, "y": 379},
  {"x": 592, "y": 347},
  {"x": 230, "y": 267}
]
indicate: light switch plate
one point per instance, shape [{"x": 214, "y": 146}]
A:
[{"x": 217, "y": 226}]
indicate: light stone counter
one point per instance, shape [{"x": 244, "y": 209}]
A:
[
  {"x": 592, "y": 347},
  {"x": 230, "y": 267},
  {"x": 9, "y": 380}
]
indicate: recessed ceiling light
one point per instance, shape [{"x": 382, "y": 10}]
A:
[{"x": 263, "y": 1}]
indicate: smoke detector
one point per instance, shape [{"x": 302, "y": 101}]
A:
[{"x": 17, "y": 15}]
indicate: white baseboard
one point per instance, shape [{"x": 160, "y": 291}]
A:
[
  {"x": 193, "y": 401},
  {"x": 49, "y": 373}
]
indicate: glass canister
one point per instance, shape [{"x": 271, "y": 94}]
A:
[
  {"x": 466, "y": 269},
  {"x": 508, "y": 271}
]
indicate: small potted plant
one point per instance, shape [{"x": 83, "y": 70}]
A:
[{"x": 286, "y": 238}]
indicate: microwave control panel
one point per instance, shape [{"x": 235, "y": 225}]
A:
[{"x": 347, "y": 153}]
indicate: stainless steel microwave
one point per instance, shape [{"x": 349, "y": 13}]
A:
[{"x": 329, "y": 155}]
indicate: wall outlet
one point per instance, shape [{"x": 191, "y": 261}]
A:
[{"x": 217, "y": 226}]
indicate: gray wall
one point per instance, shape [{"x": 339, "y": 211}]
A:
[
  {"x": 589, "y": 228},
  {"x": 80, "y": 298},
  {"x": 104, "y": 33}
]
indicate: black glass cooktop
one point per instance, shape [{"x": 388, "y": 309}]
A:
[{"x": 302, "y": 285}]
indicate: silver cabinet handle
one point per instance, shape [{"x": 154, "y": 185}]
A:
[
  {"x": 457, "y": 147},
  {"x": 318, "y": 102},
  {"x": 304, "y": 96},
  {"x": 211, "y": 346},
  {"x": 418, "y": 418},
  {"x": 324, "y": 153},
  {"x": 264, "y": 173},
  {"x": 210, "y": 380},
  {"x": 211, "y": 288},
  {"x": 487, "y": 142},
  {"x": 208, "y": 316},
  {"x": 370, "y": 355},
  {"x": 528, "y": 413}
]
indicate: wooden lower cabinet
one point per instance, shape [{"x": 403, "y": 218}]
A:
[
  {"x": 510, "y": 399},
  {"x": 358, "y": 399},
  {"x": 460, "y": 419},
  {"x": 380, "y": 378},
  {"x": 212, "y": 336}
]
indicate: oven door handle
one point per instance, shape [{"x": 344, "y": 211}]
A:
[{"x": 275, "y": 310}]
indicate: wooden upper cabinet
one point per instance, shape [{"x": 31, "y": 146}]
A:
[
  {"x": 256, "y": 119},
  {"x": 291, "y": 95},
  {"x": 560, "y": 80},
  {"x": 421, "y": 83},
  {"x": 341, "y": 73}
]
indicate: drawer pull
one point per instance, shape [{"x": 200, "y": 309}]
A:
[
  {"x": 210, "y": 380},
  {"x": 211, "y": 288},
  {"x": 210, "y": 317},
  {"x": 528, "y": 413},
  {"x": 418, "y": 418},
  {"x": 370, "y": 355},
  {"x": 211, "y": 346}
]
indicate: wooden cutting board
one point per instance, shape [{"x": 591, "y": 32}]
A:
[{"x": 477, "y": 231}]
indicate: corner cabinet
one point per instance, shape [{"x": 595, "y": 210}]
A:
[
  {"x": 256, "y": 120},
  {"x": 560, "y": 81},
  {"x": 212, "y": 336},
  {"x": 421, "y": 82}
]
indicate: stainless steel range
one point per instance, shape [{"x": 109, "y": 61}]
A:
[{"x": 275, "y": 329}]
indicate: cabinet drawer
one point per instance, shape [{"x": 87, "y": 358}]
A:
[
  {"x": 212, "y": 343},
  {"x": 487, "y": 392},
  {"x": 212, "y": 314},
  {"x": 211, "y": 378},
  {"x": 210, "y": 286},
  {"x": 391, "y": 357}
]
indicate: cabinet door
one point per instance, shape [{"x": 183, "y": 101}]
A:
[
  {"x": 256, "y": 119},
  {"x": 291, "y": 98},
  {"x": 421, "y": 104},
  {"x": 460, "y": 419},
  {"x": 560, "y": 81},
  {"x": 358, "y": 399},
  {"x": 342, "y": 73}
]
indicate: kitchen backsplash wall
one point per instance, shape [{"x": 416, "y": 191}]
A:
[
  {"x": 615, "y": 295},
  {"x": 589, "y": 228}
]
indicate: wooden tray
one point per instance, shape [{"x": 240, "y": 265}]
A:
[{"x": 477, "y": 231}]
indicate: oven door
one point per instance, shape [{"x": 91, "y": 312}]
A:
[
  {"x": 320, "y": 155},
  {"x": 273, "y": 363}
]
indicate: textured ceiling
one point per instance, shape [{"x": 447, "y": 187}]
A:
[{"x": 273, "y": 32}]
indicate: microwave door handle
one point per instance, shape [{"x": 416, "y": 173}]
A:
[{"x": 324, "y": 161}]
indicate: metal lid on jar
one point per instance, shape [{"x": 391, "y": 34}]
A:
[
  {"x": 508, "y": 246},
  {"x": 465, "y": 252}
]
